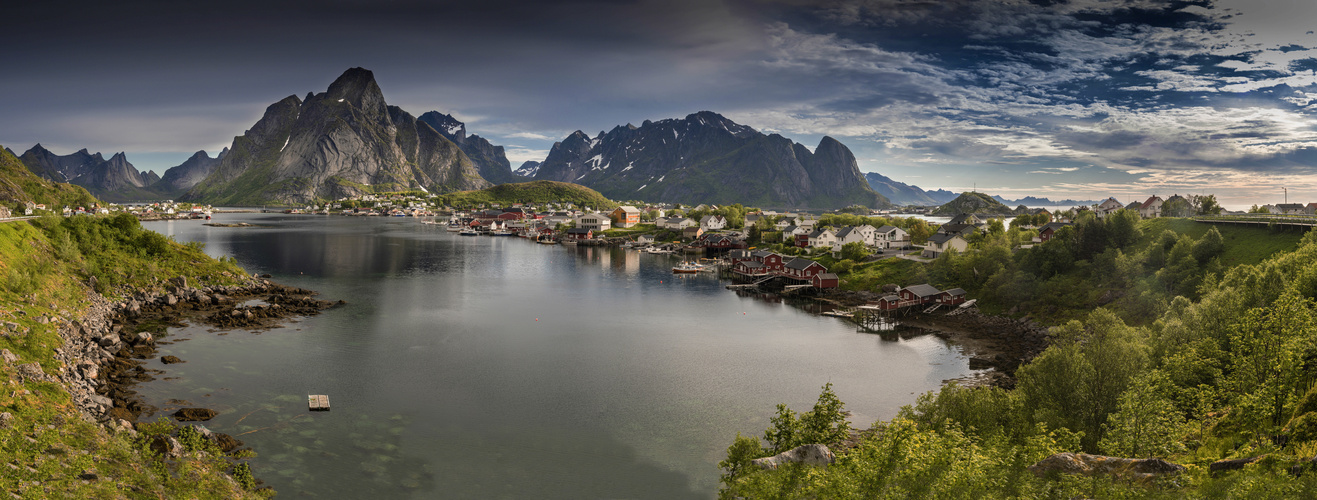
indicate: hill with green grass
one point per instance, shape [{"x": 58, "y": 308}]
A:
[
  {"x": 529, "y": 192},
  {"x": 973, "y": 203}
]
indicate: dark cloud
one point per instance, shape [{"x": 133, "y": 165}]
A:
[{"x": 931, "y": 88}]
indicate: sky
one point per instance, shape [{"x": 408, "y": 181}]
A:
[{"x": 1064, "y": 99}]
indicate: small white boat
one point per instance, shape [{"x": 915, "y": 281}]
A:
[
  {"x": 837, "y": 314},
  {"x": 687, "y": 267},
  {"x": 468, "y": 232}
]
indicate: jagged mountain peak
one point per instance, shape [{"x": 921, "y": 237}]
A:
[
  {"x": 357, "y": 87},
  {"x": 346, "y": 141},
  {"x": 199, "y": 155},
  {"x": 445, "y": 124}
]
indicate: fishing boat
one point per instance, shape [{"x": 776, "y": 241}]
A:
[
  {"x": 687, "y": 267},
  {"x": 500, "y": 232},
  {"x": 468, "y": 232}
]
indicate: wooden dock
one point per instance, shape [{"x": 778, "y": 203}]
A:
[{"x": 318, "y": 402}]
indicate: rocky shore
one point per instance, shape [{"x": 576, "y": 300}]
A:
[
  {"x": 991, "y": 342},
  {"x": 104, "y": 351}
]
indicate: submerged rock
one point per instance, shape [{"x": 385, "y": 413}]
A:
[{"x": 195, "y": 414}]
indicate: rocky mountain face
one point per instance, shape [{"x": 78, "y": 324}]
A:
[
  {"x": 528, "y": 169},
  {"x": 490, "y": 160},
  {"x": 900, "y": 193},
  {"x": 706, "y": 158},
  {"x": 115, "y": 179},
  {"x": 346, "y": 141},
  {"x": 178, "y": 179},
  {"x": 53, "y": 167}
]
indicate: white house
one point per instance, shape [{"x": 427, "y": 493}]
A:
[
  {"x": 1108, "y": 207},
  {"x": 678, "y": 223},
  {"x": 1151, "y": 208},
  {"x": 806, "y": 221},
  {"x": 789, "y": 234},
  {"x": 594, "y": 221},
  {"x": 822, "y": 238},
  {"x": 863, "y": 234},
  {"x": 712, "y": 222},
  {"x": 941, "y": 242},
  {"x": 891, "y": 237}
]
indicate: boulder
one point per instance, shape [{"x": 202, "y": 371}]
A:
[
  {"x": 1234, "y": 464},
  {"x": 167, "y": 446},
  {"x": 9, "y": 357},
  {"x": 118, "y": 413},
  {"x": 6, "y": 420},
  {"x": 1097, "y": 465},
  {"x": 808, "y": 454},
  {"x": 225, "y": 442},
  {"x": 169, "y": 360},
  {"x": 194, "y": 414},
  {"x": 142, "y": 338},
  {"x": 180, "y": 281}
]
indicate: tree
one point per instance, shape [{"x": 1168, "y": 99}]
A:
[
  {"x": 825, "y": 424},
  {"x": 1210, "y": 246},
  {"x": 919, "y": 232},
  {"x": 1206, "y": 204},
  {"x": 1077, "y": 382},
  {"x": 1257, "y": 210},
  {"x": 1269, "y": 345},
  {"x": 855, "y": 251},
  {"x": 1146, "y": 422}
]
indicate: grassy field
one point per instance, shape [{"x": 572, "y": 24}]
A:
[{"x": 1244, "y": 244}]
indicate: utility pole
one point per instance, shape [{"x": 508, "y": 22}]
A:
[{"x": 1287, "y": 194}]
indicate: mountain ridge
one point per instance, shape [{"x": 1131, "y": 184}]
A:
[{"x": 707, "y": 158}]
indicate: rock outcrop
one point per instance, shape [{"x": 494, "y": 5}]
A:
[
  {"x": 808, "y": 454},
  {"x": 1083, "y": 464}
]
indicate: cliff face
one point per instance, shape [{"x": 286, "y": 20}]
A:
[
  {"x": 346, "y": 141},
  {"x": 706, "y": 158},
  {"x": 490, "y": 160},
  {"x": 177, "y": 180}
]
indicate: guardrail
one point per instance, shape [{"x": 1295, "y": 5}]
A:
[{"x": 1261, "y": 219}]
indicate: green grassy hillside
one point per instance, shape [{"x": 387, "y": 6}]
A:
[{"x": 529, "y": 192}]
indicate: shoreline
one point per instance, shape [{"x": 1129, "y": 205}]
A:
[
  {"x": 994, "y": 343},
  {"x": 105, "y": 351}
]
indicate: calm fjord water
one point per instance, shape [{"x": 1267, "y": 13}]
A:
[{"x": 493, "y": 367}]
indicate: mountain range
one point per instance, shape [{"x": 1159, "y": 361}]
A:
[
  {"x": 1033, "y": 201},
  {"x": 707, "y": 158},
  {"x": 116, "y": 179},
  {"x": 349, "y": 141}
]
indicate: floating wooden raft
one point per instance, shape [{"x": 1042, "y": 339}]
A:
[{"x": 318, "y": 402}]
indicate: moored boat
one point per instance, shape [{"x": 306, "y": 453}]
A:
[
  {"x": 687, "y": 267},
  {"x": 468, "y": 232}
]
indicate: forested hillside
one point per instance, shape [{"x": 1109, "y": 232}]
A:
[{"x": 1174, "y": 339}]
